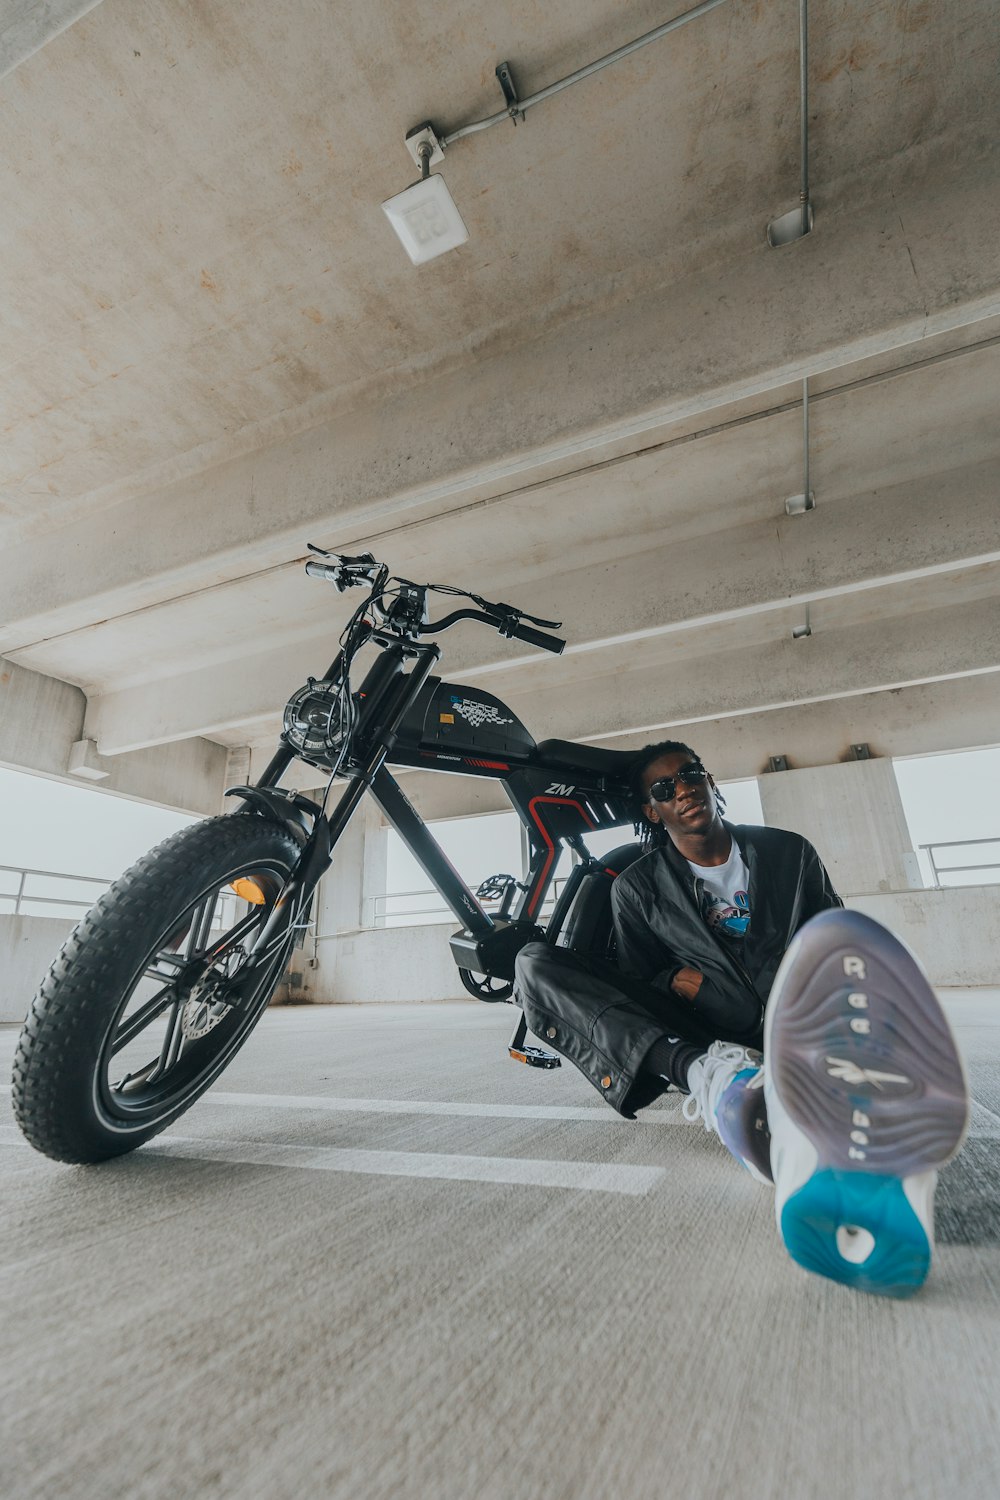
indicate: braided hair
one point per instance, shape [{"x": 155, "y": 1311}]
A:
[{"x": 653, "y": 835}]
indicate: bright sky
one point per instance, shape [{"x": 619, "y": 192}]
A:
[{"x": 73, "y": 830}]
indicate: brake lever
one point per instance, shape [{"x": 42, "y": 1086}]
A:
[
  {"x": 509, "y": 609},
  {"x": 363, "y": 560}
]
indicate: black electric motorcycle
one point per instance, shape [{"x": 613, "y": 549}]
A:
[{"x": 163, "y": 980}]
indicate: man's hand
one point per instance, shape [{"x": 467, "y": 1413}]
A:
[{"x": 687, "y": 983}]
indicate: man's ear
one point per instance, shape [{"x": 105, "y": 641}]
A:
[{"x": 652, "y": 816}]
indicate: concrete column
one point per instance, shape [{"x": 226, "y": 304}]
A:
[
  {"x": 853, "y": 814},
  {"x": 345, "y": 902}
]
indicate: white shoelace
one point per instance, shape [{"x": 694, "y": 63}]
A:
[{"x": 718, "y": 1068}]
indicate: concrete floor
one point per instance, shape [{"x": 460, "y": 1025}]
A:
[{"x": 382, "y": 1260}]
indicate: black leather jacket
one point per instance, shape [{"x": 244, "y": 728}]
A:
[
  {"x": 605, "y": 1023},
  {"x": 657, "y": 907}
]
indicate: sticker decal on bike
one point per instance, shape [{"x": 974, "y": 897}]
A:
[
  {"x": 559, "y": 789},
  {"x": 477, "y": 714}
]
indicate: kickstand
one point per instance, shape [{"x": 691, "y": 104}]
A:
[{"x": 535, "y": 1057}]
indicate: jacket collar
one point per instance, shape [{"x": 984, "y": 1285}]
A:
[{"x": 745, "y": 839}]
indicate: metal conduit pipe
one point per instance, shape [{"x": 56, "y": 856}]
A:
[
  {"x": 581, "y": 73},
  {"x": 787, "y": 228},
  {"x": 804, "y": 118}
]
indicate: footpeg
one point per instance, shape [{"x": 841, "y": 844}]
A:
[{"x": 535, "y": 1057}]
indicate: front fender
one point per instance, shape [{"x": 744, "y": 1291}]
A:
[{"x": 270, "y": 803}]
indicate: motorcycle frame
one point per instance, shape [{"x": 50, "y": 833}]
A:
[{"x": 553, "y": 811}]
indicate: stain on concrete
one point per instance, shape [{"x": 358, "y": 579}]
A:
[{"x": 910, "y": 18}]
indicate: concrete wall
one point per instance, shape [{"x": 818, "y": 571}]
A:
[
  {"x": 954, "y": 933},
  {"x": 854, "y": 816},
  {"x": 41, "y": 718},
  {"x": 27, "y": 947},
  {"x": 394, "y": 963}
]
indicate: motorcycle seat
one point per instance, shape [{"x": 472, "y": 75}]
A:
[{"x": 567, "y": 755}]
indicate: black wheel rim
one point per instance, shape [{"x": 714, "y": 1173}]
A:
[
  {"x": 191, "y": 999},
  {"x": 486, "y": 986}
]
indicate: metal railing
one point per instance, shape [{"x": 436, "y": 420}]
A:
[
  {"x": 410, "y": 915},
  {"x": 938, "y": 870},
  {"x": 22, "y": 896},
  {"x": 20, "y": 900}
]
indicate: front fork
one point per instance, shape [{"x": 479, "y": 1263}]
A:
[{"x": 295, "y": 811}]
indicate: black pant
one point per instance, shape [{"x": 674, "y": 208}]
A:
[{"x": 607, "y": 1022}]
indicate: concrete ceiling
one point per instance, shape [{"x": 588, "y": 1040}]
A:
[{"x": 214, "y": 350}]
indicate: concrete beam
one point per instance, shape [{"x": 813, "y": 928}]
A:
[
  {"x": 649, "y": 695},
  {"x": 29, "y": 24},
  {"x": 42, "y": 718},
  {"x": 940, "y": 525},
  {"x": 594, "y": 382},
  {"x": 927, "y": 719}
]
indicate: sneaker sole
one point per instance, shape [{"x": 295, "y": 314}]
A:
[{"x": 862, "y": 1058}]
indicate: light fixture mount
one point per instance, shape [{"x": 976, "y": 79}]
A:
[
  {"x": 417, "y": 136},
  {"x": 507, "y": 84}
]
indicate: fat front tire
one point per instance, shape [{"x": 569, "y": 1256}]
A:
[{"x": 152, "y": 994}]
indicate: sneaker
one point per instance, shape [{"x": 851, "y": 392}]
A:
[
  {"x": 727, "y": 1092},
  {"x": 866, "y": 1099}
]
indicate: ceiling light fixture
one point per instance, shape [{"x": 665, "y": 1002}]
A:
[
  {"x": 801, "y": 632},
  {"x": 424, "y": 216}
]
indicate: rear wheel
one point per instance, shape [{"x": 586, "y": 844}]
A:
[{"x": 154, "y": 991}]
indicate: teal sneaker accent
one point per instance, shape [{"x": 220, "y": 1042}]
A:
[{"x": 859, "y": 1229}]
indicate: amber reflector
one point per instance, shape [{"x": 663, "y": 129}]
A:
[{"x": 249, "y": 890}]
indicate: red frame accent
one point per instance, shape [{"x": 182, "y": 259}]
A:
[
  {"x": 490, "y": 765},
  {"x": 544, "y": 872}
]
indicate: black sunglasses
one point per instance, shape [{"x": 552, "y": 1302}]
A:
[{"x": 665, "y": 790}]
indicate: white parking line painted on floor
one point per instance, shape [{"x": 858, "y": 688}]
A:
[
  {"x": 524, "y": 1172},
  {"x": 593, "y": 1114}
]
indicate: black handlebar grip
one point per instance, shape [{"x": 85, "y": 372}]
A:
[{"x": 539, "y": 638}]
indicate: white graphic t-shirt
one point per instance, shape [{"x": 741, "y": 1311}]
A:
[{"x": 725, "y": 903}]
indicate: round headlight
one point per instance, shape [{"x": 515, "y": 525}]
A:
[{"x": 312, "y": 724}]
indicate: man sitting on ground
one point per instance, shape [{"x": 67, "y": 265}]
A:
[{"x": 730, "y": 939}]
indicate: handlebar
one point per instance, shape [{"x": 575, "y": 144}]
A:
[
  {"x": 553, "y": 643},
  {"x": 506, "y": 625},
  {"x": 347, "y": 572}
]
